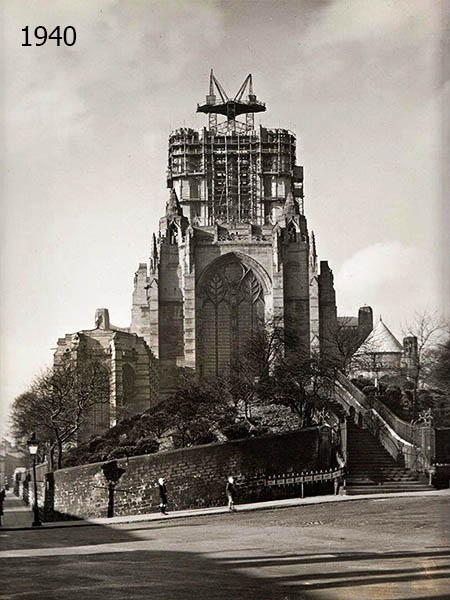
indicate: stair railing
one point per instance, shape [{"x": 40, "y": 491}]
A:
[{"x": 410, "y": 445}]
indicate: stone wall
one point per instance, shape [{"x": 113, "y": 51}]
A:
[
  {"x": 327, "y": 309},
  {"x": 195, "y": 477},
  {"x": 132, "y": 367}
]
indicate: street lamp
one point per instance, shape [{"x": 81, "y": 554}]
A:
[{"x": 33, "y": 445}]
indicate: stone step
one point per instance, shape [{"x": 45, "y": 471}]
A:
[
  {"x": 394, "y": 480},
  {"x": 380, "y": 476},
  {"x": 380, "y": 466},
  {"x": 371, "y": 469},
  {"x": 356, "y": 459},
  {"x": 355, "y": 446},
  {"x": 368, "y": 481},
  {"x": 354, "y": 490},
  {"x": 366, "y": 449},
  {"x": 374, "y": 465},
  {"x": 368, "y": 444},
  {"x": 374, "y": 461},
  {"x": 387, "y": 483},
  {"x": 388, "y": 470}
]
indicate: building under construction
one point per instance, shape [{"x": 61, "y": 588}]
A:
[
  {"x": 233, "y": 252},
  {"x": 231, "y": 172}
]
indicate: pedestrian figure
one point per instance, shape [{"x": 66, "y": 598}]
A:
[
  {"x": 340, "y": 482},
  {"x": 231, "y": 493},
  {"x": 162, "y": 496},
  {"x": 2, "y": 499}
]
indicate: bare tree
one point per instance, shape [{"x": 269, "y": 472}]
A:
[
  {"x": 277, "y": 370},
  {"x": 26, "y": 417},
  {"x": 440, "y": 370},
  {"x": 257, "y": 360},
  {"x": 59, "y": 402},
  {"x": 197, "y": 411},
  {"x": 349, "y": 349},
  {"x": 428, "y": 330}
]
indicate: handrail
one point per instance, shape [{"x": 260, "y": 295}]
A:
[
  {"x": 405, "y": 442},
  {"x": 404, "y": 430}
]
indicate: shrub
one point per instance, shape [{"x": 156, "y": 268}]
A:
[
  {"x": 122, "y": 452},
  {"x": 94, "y": 443},
  {"x": 369, "y": 390},
  {"x": 147, "y": 446}
]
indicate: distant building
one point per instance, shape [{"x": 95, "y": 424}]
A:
[
  {"x": 10, "y": 459},
  {"x": 129, "y": 362},
  {"x": 382, "y": 354}
]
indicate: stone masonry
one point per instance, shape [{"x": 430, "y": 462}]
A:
[
  {"x": 131, "y": 366},
  {"x": 195, "y": 477},
  {"x": 233, "y": 252}
]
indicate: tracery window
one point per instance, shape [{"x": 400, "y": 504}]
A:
[
  {"x": 128, "y": 382},
  {"x": 231, "y": 311}
]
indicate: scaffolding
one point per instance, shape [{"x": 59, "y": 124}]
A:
[{"x": 230, "y": 172}]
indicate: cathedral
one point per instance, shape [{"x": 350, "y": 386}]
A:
[
  {"x": 233, "y": 251},
  {"x": 233, "y": 254}
]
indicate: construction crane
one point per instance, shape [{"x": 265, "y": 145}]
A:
[{"x": 231, "y": 107}]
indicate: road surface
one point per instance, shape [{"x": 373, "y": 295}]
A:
[{"x": 393, "y": 548}]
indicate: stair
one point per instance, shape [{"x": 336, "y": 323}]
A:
[
  {"x": 337, "y": 409},
  {"x": 372, "y": 470}
]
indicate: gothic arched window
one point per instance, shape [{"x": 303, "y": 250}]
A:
[
  {"x": 292, "y": 232},
  {"x": 128, "y": 383},
  {"x": 230, "y": 312}
]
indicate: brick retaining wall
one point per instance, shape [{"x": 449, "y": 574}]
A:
[{"x": 195, "y": 477}]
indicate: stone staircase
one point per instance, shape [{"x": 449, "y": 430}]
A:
[{"x": 372, "y": 470}]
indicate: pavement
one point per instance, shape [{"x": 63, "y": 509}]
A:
[
  {"x": 19, "y": 516},
  {"x": 379, "y": 548}
]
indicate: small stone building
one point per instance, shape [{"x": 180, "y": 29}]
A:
[
  {"x": 128, "y": 360},
  {"x": 382, "y": 354}
]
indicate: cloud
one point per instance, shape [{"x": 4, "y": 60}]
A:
[
  {"x": 392, "y": 278},
  {"x": 85, "y": 144}
]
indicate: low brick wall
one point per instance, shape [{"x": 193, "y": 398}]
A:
[{"x": 195, "y": 477}]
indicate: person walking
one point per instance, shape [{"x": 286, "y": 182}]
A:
[
  {"x": 231, "y": 493},
  {"x": 162, "y": 496},
  {"x": 2, "y": 499},
  {"x": 340, "y": 481}
]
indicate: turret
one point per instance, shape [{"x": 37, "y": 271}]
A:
[
  {"x": 174, "y": 224},
  {"x": 173, "y": 208},
  {"x": 290, "y": 208},
  {"x": 102, "y": 318},
  {"x": 365, "y": 321}
]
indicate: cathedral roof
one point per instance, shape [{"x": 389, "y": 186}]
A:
[
  {"x": 348, "y": 321},
  {"x": 382, "y": 340}
]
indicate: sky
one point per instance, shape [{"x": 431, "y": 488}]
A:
[{"x": 83, "y": 148}]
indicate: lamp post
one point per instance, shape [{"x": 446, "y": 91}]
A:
[{"x": 33, "y": 445}]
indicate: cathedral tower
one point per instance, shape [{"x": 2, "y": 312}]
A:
[{"x": 233, "y": 251}]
